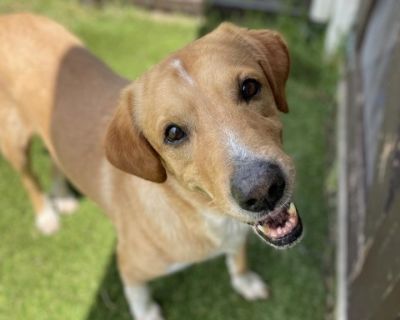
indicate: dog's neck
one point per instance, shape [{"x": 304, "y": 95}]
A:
[{"x": 221, "y": 227}]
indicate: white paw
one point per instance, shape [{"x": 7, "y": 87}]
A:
[
  {"x": 153, "y": 313},
  {"x": 250, "y": 286},
  {"x": 47, "y": 221},
  {"x": 66, "y": 205}
]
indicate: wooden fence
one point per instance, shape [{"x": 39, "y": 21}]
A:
[{"x": 369, "y": 156}]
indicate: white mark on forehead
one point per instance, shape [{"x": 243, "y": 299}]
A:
[
  {"x": 237, "y": 149},
  {"x": 177, "y": 64}
]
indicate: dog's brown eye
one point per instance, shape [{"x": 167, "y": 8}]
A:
[
  {"x": 174, "y": 134},
  {"x": 249, "y": 88}
]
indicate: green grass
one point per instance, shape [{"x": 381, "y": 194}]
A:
[{"x": 72, "y": 275}]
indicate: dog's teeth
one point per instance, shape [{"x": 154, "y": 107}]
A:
[
  {"x": 262, "y": 228},
  {"x": 273, "y": 233},
  {"x": 293, "y": 219},
  {"x": 292, "y": 209}
]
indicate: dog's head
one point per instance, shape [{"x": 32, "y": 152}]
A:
[{"x": 208, "y": 116}]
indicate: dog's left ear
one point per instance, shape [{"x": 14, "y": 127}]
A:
[{"x": 275, "y": 61}]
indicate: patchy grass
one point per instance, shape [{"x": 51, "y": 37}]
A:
[{"x": 72, "y": 275}]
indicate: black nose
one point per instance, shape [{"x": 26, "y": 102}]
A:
[{"x": 257, "y": 185}]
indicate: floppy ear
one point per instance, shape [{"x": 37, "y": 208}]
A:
[
  {"x": 275, "y": 62},
  {"x": 126, "y": 147}
]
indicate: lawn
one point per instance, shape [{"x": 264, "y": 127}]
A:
[{"x": 72, "y": 275}]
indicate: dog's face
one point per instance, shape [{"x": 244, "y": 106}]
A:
[{"x": 208, "y": 116}]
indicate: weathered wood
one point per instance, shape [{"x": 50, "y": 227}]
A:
[
  {"x": 380, "y": 272},
  {"x": 364, "y": 13},
  {"x": 355, "y": 166},
  {"x": 373, "y": 164},
  {"x": 389, "y": 306}
]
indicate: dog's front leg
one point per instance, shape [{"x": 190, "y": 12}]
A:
[
  {"x": 141, "y": 304},
  {"x": 134, "y": 280},
  {"x": 62, "y": 197},
  {"x": 245, "y": 282}
]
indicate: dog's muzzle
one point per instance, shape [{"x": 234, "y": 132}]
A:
[{"x": 259, "y": 187}]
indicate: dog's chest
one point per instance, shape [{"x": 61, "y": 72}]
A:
[{"x": 227, "y": 233}]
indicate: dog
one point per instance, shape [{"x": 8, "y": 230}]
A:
[{"x": 185, "y": 160}]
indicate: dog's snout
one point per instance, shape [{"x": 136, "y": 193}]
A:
[{"x": 258, "y": 185}]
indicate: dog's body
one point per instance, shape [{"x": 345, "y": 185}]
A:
[{"x": 52, "y": 86}]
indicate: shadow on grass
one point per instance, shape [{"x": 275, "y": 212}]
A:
[
  {"x": 189, "y": 294},
  {"x": 110, "y": 302},
  {"x": 203, "y": 291}
]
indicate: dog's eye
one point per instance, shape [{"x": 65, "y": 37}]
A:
[
  {"x": 174, "y": 134},
  {"x": 249, "y": 88}
]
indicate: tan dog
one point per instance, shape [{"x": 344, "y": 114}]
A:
[{"x": 183, "y": 164}]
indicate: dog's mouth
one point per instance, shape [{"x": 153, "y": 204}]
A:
[{"x": 281, "y": 228}]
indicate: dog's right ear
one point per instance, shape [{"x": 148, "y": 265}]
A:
[{"x": 125, "y": 145}]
